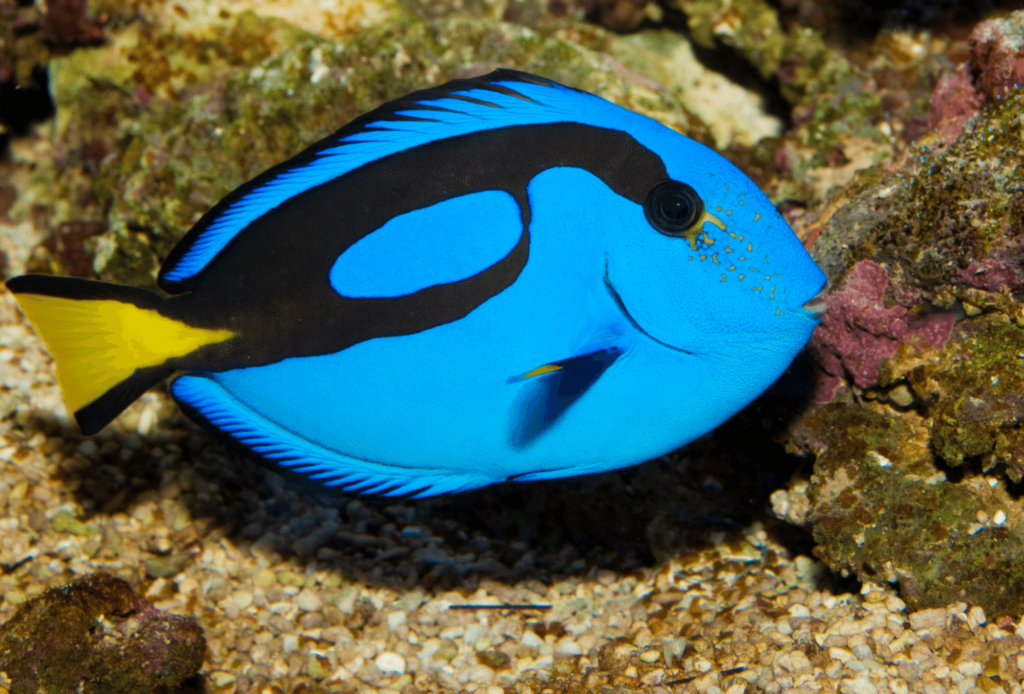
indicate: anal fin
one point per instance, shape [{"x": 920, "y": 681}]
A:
[{"x": 207, "y": 402}]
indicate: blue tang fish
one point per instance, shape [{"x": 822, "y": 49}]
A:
[{"x": 500, "y": 278}]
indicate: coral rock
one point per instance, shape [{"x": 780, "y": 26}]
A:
[{"x": 109, "y": 641}]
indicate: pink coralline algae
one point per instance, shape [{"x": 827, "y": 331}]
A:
[
  {"x": 993, "y": 275},
  {"x": 858, "y": 331},
  {"x": 954, "y": 102},
  {"x": 996, "y": 67},
  {"x": 997, "y": 52}
]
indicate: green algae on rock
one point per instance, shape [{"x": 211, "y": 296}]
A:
[
  {"x": 96, "y": 636},
  {"x": 918, "y": 446}
]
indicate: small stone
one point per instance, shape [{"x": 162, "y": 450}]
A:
[
  {"x": 911, "y": 672},
  {"x": 496, "y": 660},
  {"x": 927, "y": 619},
  {"x": 568, "y": 646},
  {"x": 531, "y": 640},
  {"x": 220, "y": 679},
  {"x": 395, "y": 620},
  {"x": 446, "y": 651},
  {"x": 318, "y": 667},
  {"x": 480, "y": 674},
  {"x": 241, "y": 599},
  {"x": 308, "y": 601},
  {"x": 66, "y": 523},
  {"x": 799, "y": 611},
  {"x": 857, "y": 686},
  {"x": 969, "y": 668},
  {"x": 391, "y": 663},
  {"x": 650, "y": 657},
  {"x": 840, "y": 654},
  {"x": 862, "y": 651},
  {"x": 655, "y": 678},
  {"x": 264, "y": 579},
  {"x": 901, "y": 396}
]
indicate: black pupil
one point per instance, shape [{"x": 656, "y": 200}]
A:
[{"x": 676, "y": 208}]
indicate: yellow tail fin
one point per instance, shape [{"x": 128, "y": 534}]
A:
[{"x": 103, "y": 335}]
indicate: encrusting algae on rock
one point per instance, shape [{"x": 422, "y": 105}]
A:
[
  {"x": 918, "y": 450},
  {"x": 96, "y": 636}
]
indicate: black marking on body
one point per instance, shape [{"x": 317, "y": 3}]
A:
[
  {"x": 366, "y": 122},
  {"x": 271, "y": 284}
]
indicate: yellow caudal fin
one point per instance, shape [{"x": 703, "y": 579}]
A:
[{"x": 110, "y": 343}]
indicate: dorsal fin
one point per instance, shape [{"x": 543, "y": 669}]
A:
[{"x": 500, "y": 99}]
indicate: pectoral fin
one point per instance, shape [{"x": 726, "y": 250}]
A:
[{"x": 553, "y": 387}]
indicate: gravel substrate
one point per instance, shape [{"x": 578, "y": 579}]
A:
[{"x": 301, "y": 592}]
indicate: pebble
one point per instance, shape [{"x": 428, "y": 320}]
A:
[
  {"x": 309, "y": 601},
  {"x": 392, "y": 663}
]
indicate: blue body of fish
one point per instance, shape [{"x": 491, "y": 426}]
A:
[{"x": 497, "y": 279}]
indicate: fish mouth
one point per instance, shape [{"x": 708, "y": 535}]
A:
[
  {"x": 816, "y": 307},
  {"x": 632, "y": 321}
]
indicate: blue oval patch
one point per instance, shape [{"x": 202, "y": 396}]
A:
[{"x": 443, "y": 243}]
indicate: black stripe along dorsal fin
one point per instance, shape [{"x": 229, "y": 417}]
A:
[{"x": 173, "y": 279}]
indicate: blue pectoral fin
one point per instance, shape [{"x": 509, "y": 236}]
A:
[
  {"x": 205, "y": 400},
  {"x": 550, "y": 390}
]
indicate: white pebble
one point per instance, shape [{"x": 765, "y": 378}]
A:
[
  {"x": 531, "y": 640},
  {"x": 999, "y": 518},
  {"x": 969, "y": 668},
  {"x": 241, "y": 599},
  {"x": 857, "y": 686},
  {"x": 569, "y": 647},
  {"x": 395, "y": 620},
  {"x": 840, "y": 654},
  {"x": 799, "y": 611},
  {"x": 391, "y": 663}
]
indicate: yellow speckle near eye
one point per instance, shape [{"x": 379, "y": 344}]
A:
[
  {"x": 742, "y": 276},
  {"x": 708, "y": 240},
  {"x": 732, "y": 267},
  {"x": 757, "y": 216},
  {"x": 773, "y": 292},
  {"x": 715, "y": 258},
  {"x": 778, "y": 312},
  {"x": 757, "y": 289},
  {"x": 754, "y": 269},
  {"x": 703, "y": 257},
  {"x": 718, "y": 208},
  {"x": 750, "y": 248},
  {"x": 689, "y": 257},
  {"x": 723, "y": 278},
  {"x": 766, "y": 260},
  {"x": 735, "y": 236},
  {"x": 767, "y": 278},
  {"x": 743, "y": 257},
  {"x": 728, "y": 213},
  {"x": 705, "y": 218},
  {"x": 728, "y": 250}
]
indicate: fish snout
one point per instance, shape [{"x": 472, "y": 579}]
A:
[{"x": 816, "y": 306}]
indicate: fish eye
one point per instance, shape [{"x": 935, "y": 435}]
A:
[{"x": 673, "y": 208}]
